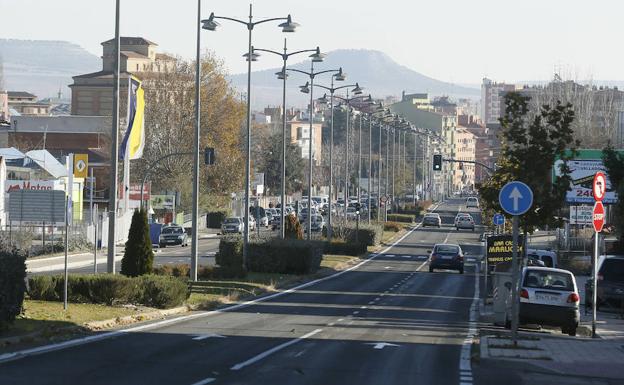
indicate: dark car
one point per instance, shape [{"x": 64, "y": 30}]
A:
[
  {"x": 610, "y": 283},
  {"x": 172, "y": 235},
  {"x": 432, "y": 219},
  {"x": 447, "y": 256}
]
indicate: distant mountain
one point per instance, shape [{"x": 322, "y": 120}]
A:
[
  {"x": 374, "y": 70},
  {"x": 42, "y": 67}
]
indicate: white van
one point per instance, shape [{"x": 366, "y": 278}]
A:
[{"x": 547, "y": 256}]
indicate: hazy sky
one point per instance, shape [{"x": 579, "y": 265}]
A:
[{"x": 452, "y": 40}]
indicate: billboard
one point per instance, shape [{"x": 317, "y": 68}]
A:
[
  {"x": 37, "y": 207},
  {"x": 582, "y": 171},
  {"x": 33, "y": 184},
  {"x": 581, "y": 215},
  {"x": 499, "y": 249},
  {"x": 162, "y": 202}
]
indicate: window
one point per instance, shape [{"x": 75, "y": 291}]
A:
[{"x": 544, "y": 279}]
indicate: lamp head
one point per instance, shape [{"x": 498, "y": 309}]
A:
[
  {"x": 289, "y": 25},
  {"x": 317, "y": 56},
  {"x": 323, "y": 100},
  {"x": 282, "y": 74},
  {"x": 340, "y": 76},
  {"x": 305, "y": 88},
  {"x": 254, "y": 55},
  {"x": 210, "y": 24},
  {"x": 357, "y": 90}
]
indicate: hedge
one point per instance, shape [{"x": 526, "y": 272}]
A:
[
  {"x": 369, "y": 235},
  {"x": 285, "y": 256},
  {"x": 403, "y": 218},
  {"x": 215, "y": 219},
  {"x": 392, "y": 226},
  {"x": 344, "y": 248},
  {"x": 229, "y": 258},
  {"x": 148, "y": 290},
  {"x": 12, "y": 286}
]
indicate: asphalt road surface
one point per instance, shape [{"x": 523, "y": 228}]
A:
[{"x": 387, "y": 321}]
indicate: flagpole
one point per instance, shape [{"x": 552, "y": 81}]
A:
[
  {"x": 112, "y": 194},
  {"x": 126, "y": 157}
]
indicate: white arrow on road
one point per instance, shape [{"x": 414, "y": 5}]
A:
[
  {"x": 381, "y": 345},
  {"x": 515, "y": 195},
  {"x": 209, "y": 335}
]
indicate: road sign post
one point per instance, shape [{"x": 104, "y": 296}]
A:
[
  {"x": 599, "y": 189},
  {"x": 515, "y": 198}
]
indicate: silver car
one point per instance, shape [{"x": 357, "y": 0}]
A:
[{"x": 465, "y": 222}]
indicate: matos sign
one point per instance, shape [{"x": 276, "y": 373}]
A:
[{"x": 16, "y": 185}]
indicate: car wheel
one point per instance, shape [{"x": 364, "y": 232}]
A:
[
  {"x": 461, "y": 271},
  {"x": 162, "y": 246},
  {"x": 430, "y": 269}
]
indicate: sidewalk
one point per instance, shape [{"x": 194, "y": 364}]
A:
[{"x": 609, "y": 322}]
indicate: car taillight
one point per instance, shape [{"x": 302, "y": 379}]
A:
[
  {"x": 433, "y": 257},
  {"x": 600, "y": 277},
  {"x": 573, "y": 298},
  {"x": 524, "y": 293},
  {"x": 460, "y": 257}
]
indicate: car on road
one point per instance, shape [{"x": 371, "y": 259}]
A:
[
  {"x": 464, "y": 222},
  {"x": 172, "y": 235},
  {"x": 548, "y": 296},
  {"x": 548, "y": 257},
  {"x": 432, "y": 219},
  {"x": 318, "y": 222},
  {"x": 446, "y": 256},
  {"x": 232, "y": 225},
  {"x": 352, "y": 213},
  {"x": 610, "y": 283},
  {"x": 472, "y": 202}
]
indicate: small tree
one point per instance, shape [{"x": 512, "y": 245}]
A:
[
  {"x": 12, "y": 285},
  {"x": 138, "y": 257},
  {"x": 614, "y": 163},
  {"x": 293, "y": 229}
]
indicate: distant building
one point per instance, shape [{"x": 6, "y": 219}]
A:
[
  {"x": 465, "y": 150},
  {"x": 92, "y": 93},
  {"x": 300, "y": 135},
  {"x": 492, "y": 104},
  {"x": 25, "y": 103},
  {"x": 4, "y": 106}
]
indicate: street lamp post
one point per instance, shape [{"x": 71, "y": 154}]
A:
[
  {"x": 317, "y": 56},
  {"x": 287, "y": 26},
  {"x": 309, "y": 88}
]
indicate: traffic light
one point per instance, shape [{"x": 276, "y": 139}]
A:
[
  {"x": 437, "y": 163},
  {"x": 209, "y": 156}
]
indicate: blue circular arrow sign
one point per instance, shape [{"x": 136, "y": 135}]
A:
[
  {"x": 516, "y": 198},
  {"x": 498, "y": 219}
]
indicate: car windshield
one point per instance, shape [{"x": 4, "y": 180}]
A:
[
  {"x": 172, "y": 230},
  {"x": 232, "y": 221},
  {"x": 613, "y": 269},
  {"x": 431, "y": 216},
  {"x": 446, "y": 249},
  {"x": 547, "y": 279}
]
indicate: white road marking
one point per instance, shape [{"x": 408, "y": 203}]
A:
[
  {"x": 273, "y": 350},
  {"x": 381, "y": 345},
  {"x": 204, "y": 382},
  {"x": 340, "y": 319},
  {"x": 356, "y": 312},
  {"x": 465, "y": 365},
  {"x": 205, "y": 336}
]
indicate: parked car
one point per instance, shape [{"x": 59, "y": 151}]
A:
[
  {"x": 352, "y": 213},
  {"x": 610, "y": 282},
  {"x": 465, "y": 222},
  {"x": 172, "y": 235},
  {"x": 446, "y": 256},
  {"x": 548, "y": 296},
  {"x": 232, "y": 225},
  {"x": 318, "y": 222},
  {"x": 472, "y": 202},
  {"x": 432, "y": 219},
  {"x": 549, "y": 257}
]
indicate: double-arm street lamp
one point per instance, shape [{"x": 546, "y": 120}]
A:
[
  {"x": 309, "y": 88},
  {"x": 317, "y": 57},
  {"x": 211, "y": 24}
]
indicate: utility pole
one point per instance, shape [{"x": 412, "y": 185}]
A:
[{"x": 112, "y": 194}]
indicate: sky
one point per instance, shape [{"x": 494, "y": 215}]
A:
[{"x": 459, "y": 41}]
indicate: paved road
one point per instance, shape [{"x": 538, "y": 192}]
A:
[{"x": 388, "y": 321}]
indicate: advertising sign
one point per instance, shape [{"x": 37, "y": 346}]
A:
[
  {"x": 499, "y": 249},
  {"x": 37, "y": 207},
  {"x": 135, "y": 191},
  {"x": 582, "y": 171},
  {"x": 33, "y": 184},
  {"x": 81, "y": 165},
  {"x": 580, "y": 215}
]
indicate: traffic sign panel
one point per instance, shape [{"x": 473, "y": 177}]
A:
[
  {"x": 599, "y": 186},
  {"x": 516, "y": 198},
  {"x": 499, "y": 219},
  {"x": 598, "y": 216}
]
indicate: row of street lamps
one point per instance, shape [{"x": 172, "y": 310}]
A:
[{"x": 364, "y": 103}]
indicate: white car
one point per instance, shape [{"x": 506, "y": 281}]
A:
[
  {"x": 465, "y": 222},
  {"x": 548, "y": 296},
  {"x": 232, "y": 225},
  {"x": 472, "y": 202}
]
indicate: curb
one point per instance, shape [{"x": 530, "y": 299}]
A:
[{"x": 120, "y": 321}]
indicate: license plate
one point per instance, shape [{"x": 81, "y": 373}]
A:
[
  {"x": 547, "y": 297},
  {"x": 447, "y": 257}
]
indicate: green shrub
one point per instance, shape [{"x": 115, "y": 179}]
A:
[
  {"x": 369, "y": 235},
  {"x": 344, "y": 248},
  {"x": 110, "y": 289},
  {"x": 178, "y": 270},
  {"x": 229, "y": 258},
  {"x": 138, "y": 256},
  {"x": 392, "y": 226},
  {"x": 42, "y": 287},
  {"x": 163, "y": 292},
  {"x": 403, "y": 218},
  {"x": 215, "y": 219},
  {"x": 285, "y": 256},
  {"x": 293, "y": 229},
  {"x": 12, "y": 286}
]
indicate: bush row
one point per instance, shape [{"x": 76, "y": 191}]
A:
[
  {"x": 149, "y": 290},
  {"x": 392, "y": 226},
  {"x": 369, "y": 235},
  {"x": 12, "y": 287},
  {"x": 214, "y": 219},
  {"x": 403, "y": 218},
  {"x": 344, "y": 248}
]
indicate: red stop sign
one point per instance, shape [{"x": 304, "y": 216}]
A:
[{"x": 598, "y": 216}]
